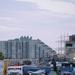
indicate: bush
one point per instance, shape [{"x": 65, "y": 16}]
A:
[
  {"x": 27, "y": 62},
  {"x": 1, "y": 56}
]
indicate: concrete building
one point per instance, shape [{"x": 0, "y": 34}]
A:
[
  {"x": 70, "y": 48},
  {"x": 25, "y": 48}
]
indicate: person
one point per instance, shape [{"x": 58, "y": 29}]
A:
[
  {"x": 54, "y": 64},
  {"x": 52, "y": 72},
  {"x": 51, "y": 65},
  {"x": 58, "y": 67},
  {"x": 46, "y": 73}
]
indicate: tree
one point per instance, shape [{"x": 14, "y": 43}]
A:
[
  {"x": 27, "y": 62},
  {"x": 1, "y": 56}
]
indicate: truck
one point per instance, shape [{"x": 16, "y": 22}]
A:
[
  {"x": 15, "y": 70},
  {"x": 24, "y": 70}
]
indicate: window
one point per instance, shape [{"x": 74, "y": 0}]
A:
[
  {"x": 69, "y": 45},
  {"x": 14, "y": 73}
]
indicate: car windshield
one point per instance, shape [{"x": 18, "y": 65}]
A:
[
  {"x": 14, "y": 74},
  {"x": 34, "y": 69}
]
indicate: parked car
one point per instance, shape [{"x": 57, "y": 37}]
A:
[{"x": 66, "y": 73}]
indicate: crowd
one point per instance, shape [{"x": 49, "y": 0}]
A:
[{"x": 55, "y": 70}]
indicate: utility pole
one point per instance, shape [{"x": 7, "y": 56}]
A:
[{"x": 61, "y": 43}]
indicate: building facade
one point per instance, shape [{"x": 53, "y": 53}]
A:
[
  {"x": 70, "y": 48},
  {"x": 25, "y": 48}
]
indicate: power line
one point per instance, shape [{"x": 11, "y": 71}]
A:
[{"x": 61, "y": 43}]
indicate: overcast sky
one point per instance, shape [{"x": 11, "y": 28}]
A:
[{"x": 46, "y": 20}]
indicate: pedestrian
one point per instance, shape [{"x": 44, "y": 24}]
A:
[
  {"x": 58, "y": 67},
  {"x": 54, "y": 64}
]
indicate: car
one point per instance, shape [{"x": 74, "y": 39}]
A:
[
  {"x": 39, "y": 72},
  {"x": 33, "y": 70},
  {"x": 66, "y": 73}
]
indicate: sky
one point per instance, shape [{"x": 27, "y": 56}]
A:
[{"x": 46, "y": 20}]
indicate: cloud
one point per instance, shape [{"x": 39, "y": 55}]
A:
[
  {"x": 47, "y": 7},
  {"x": 54, "y": 6},
  {"x": 70, "y": 25},
  {"x": 70, "y": 1},
  {"x": 10, "y": 28},
  {"x": 11, "y": 5},
  {"x": 6, "y": 19}
]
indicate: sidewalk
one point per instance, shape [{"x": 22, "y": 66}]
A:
[{"x": 1, "y": 71}]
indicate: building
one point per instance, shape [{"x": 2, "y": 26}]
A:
[
  {"x": 70, "y": 48},
  {"x": 25, "y": 48}
]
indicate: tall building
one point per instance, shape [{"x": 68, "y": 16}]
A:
[
  {"x": 70, "y": 48},
  {"x": 25, "y": 48}
]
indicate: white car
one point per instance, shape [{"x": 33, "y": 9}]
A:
[
  {"x": 39, "y": 72},
  {"x": 66, "y": 73}
]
